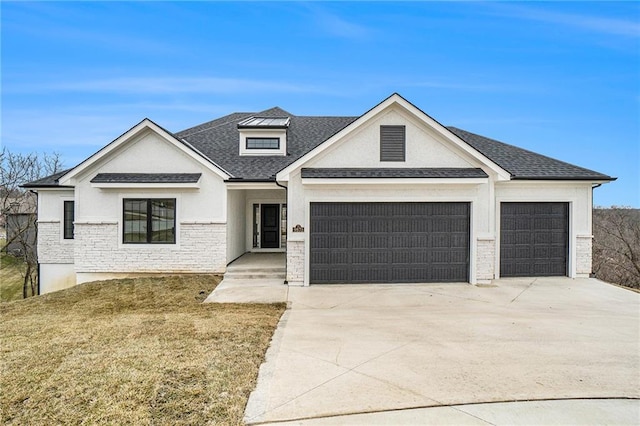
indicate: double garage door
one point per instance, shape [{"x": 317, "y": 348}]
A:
[
  {"x": 429, "y": 242},
  {"x": 389, "y": 242}
]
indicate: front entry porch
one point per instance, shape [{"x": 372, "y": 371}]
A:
[
  {"x": 256, "y": 219},
  {"x": 253, "y": 278}
]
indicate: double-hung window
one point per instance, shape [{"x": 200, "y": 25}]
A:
[
  {"x": 69, "y": 215},
  {"x": 149, "y": 221}
]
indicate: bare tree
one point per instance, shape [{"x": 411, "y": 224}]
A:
[
  {"x": 19, "y": 206},
  {"x": 616, "y": 248}
]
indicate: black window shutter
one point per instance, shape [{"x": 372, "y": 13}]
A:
[{"x": 392, "y": 143}]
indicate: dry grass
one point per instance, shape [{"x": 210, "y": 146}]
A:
[
  {"x": 142, "y": 351},
  {"x": 11, "y": 277}
]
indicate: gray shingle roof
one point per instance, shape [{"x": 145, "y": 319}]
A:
[
  {"x": 49, "y": 181},
  {"x": 146, "y": 178},
  {"x": 442, "y": 172},
  {"x": 524, "y": 164},
  {"x": 218, "y": 141}
]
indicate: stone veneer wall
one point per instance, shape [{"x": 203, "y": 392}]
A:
[
  {"x": 295, "y": 262},
  {"x": 583, "y": 254},
  {"x": 51, "y": 249},
  {"x": 201, "y": 248},
  {"x": 486, "y": 257}
]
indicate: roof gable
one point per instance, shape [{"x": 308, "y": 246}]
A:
[
  {"x": 132, "y": 134},
  {"x": 396, "y": 101}
]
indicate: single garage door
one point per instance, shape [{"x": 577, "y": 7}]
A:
[
  {"x": 534, "y": 239},
  {"x": 389, "y": 242}
]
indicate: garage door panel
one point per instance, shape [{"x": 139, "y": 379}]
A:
[
  {"x": 368, "y": 257},
  {"x": 393, "y": 242},
  {"x": 534, "y": 239},
  {"x": 331, "y": 257}
]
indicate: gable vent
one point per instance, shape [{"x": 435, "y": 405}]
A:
[{"x": 392, "y": 143}]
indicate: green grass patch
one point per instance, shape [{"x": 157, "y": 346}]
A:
[
  {"x": 11, "y": 277},
  {"x": 134, "y": 351}
]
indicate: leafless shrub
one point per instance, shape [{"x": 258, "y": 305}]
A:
[
  {"x": 18, "y": 207},
  {"x": 616, "y": 247}
]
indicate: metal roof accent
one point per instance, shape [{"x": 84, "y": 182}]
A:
[{"x": 265, "y": 122}]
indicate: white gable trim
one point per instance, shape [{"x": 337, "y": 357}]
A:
[
  {"x": 144, "y": 126},
  {"x": 394, "y": 99}
]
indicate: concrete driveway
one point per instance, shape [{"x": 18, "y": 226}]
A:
[{"x": 368, "y": 348}]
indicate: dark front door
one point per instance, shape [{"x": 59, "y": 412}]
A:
[
  {"x": 389, "y": 242},
  {"x": 270, "y": 226}
]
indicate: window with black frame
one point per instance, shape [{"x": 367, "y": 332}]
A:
[
  {"x": 263, "y": 143},
  {"x": 69, "y": 217},
  {"x": 149, "y": 221}
]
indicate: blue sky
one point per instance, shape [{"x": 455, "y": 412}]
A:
[{"x": 561, "y": 79}]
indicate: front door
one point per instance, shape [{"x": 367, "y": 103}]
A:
[{"x": 270, "y": 226}]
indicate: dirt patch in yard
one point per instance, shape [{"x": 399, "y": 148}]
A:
[{"x": 134, "y": 351}]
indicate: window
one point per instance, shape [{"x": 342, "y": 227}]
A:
[
  {"x": 69, "y": 216},
  {"x": 263, "y": 143},
  {"x": 149, "y": 221},
  {"x": 392, "y": 143}
]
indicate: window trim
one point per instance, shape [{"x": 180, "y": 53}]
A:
[
  {"x": 65, "y": 220},
  {"x": 248, "y": 138},
  {"x": 149, "y": 220}
]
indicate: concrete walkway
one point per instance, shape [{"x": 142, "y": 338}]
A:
[
  {"x": 253, "y": 278},
  {"x": 349, "y": 349}
]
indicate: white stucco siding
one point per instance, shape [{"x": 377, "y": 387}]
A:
[
  {"x": 150, "y": 153},
  {"x": 236, "y": 224},
  {"x": 424, "y": 146},
  {"x": 578, "y": 195}
]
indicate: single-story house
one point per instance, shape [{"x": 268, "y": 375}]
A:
[{"x": 391, "y": 196}]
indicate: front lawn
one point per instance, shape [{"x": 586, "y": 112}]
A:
[
  {"x": 136, "y": 351},
  {"x": 11, "y": 277}
]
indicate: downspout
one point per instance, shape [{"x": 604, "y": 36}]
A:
[
  {"x": 592, "y": 274},
  {"x": 286, "y": 219},
  {"x": 37, "y": 259}
]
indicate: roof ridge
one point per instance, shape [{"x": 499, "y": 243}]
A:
[{"x": 181, "y": 133}]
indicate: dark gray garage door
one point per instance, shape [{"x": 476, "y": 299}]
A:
[
  {"x": 389, "y": 242},
  {"x": 534, "y": 239}
]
